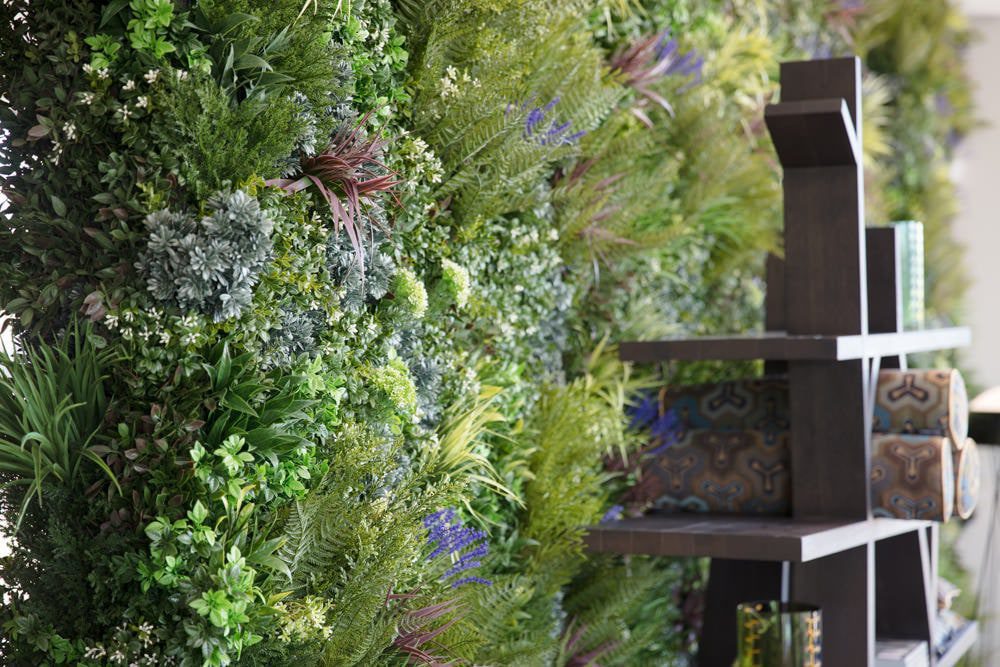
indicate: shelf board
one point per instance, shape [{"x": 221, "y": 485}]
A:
[
  {"x": 741, "y": 537},
  {"x": 813, "y": 133},
  {"x": 960, "y": 645},
  {"x": 780, "y": 346}
]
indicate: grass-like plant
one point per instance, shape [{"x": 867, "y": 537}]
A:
[{"x": 53, "y": 401}]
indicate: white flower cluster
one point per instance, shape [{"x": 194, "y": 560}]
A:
[
  {"x": 101, "y": 73},
  {"x": 152, "y": 325},
  {"x": 421, "y": 162},
  {"x": 453, "y": 78},
  {"x": 304, "y": 620}
]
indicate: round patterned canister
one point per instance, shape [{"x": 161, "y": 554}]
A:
[
  {"x": 912, "y": 477},
  {"x": 967, "y": 479},
  {"x": 924, "y": 402}
]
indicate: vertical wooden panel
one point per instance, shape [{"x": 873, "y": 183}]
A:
[
  {"x": 774, "y": 301},
  {"x": 731, "y": 582},
  {"x": 843, "y": 585},
  {"x": 774, "y": 307},
  {"x": 885, "y": 308},
  {"x": 818, "y": 79},
  {"x": 825, "y": 281},
  {"x": 830, "y": 444},
  {"x": 905, "y": 601},
  {"x": 826, "y": 293},
  {"x": 885, "y": 303}
]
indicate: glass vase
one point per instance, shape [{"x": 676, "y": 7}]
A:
[{"x": 779, "y": 634}]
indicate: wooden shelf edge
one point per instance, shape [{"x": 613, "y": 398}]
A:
[
  {"x": 743, "y": 538},
  {"x": 813, "y": 133},
  {"x": 779, "y": 346},
  {"x": 960, "y": 645}
]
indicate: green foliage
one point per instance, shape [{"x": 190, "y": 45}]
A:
[
  {"x": 240, "y": 456},
  {"x": 53, "y": 401},
  {"x": 194, "y": 117},
  {"x": 488, "y": 92}
]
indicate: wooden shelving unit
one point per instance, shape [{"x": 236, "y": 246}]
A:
[{"x": 833, "y": 319}]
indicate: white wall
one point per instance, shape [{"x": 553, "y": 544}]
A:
[
  {"x": 979, "y": 8},
  {"x": 977, "y": 171}
]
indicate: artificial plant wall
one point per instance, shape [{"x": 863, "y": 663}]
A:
[{"x": 311, "y": 302}]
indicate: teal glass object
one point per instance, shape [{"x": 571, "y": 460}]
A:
[
  {"x": 779, "y": 634},
  {"x": 911, "y": 269}
]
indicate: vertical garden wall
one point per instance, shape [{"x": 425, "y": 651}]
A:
[{"x": 313, "y": 303}]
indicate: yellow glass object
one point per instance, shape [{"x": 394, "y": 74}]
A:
[{"x": 779, "y": 634}]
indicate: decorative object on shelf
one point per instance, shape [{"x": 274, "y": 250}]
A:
[
  {"x": 901, "y": 653},
  {"x": 925, "y": 402},
  {"x": 911, "y": 256},
  {"x": 912, "y": 476},
  {"x": 947, "y": 592},
  {"x": 756, "y": 404},
  {"x": 779, "y": 634},
  {"x": 967, "y": 479},
  {"x": 949, "y": 629},
  {"x": 720, "y": 471}
]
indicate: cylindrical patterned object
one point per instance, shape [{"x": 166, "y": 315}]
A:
[
  {"x": 720, "y": 471},
  {"x": 779, "y": 634},
  {"x": 924, "y": 402},
  {"x": 912, "y": 477},
  {"x": 967, "y": 479}
]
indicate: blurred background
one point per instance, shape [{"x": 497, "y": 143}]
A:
[{"x": 976, "y": 171}]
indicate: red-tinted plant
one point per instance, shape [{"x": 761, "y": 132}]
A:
[
  {"x": 647, "y": 62},
  {"x": 348, "y": 174},
  {"x": 573, "y": 637},
  {"x": 417, "y": 628}
]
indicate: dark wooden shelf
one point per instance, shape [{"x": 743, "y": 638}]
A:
[
  {"x": 780, "y": 346},
  {"x": 741, "y": 537},
  {"x": 960, "y": 645},
  {"x": 813, "y": 133}
]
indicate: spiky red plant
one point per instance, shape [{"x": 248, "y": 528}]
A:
[
  {"x": 416, "y": 629},
  {"x": 646, "y": 63},
  {"x": 347, "y": 174}
]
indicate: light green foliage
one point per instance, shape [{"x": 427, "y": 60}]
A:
[
  {"x": 481, "y": 75},
  {"x": 393, "y": 379},
  {"x": 410, "y": 292}
]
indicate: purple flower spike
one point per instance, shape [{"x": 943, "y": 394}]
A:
[
  {"x": 666, "y": 427},
  {"x": 613, "y": 514},
  {"x": 471, "y": 580},
  {"x": 541, "y": 128},
  {"x": 464, "y": 546},
  {"x": 665, "y": 47},
  {"x": 644, "y": 412}
]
